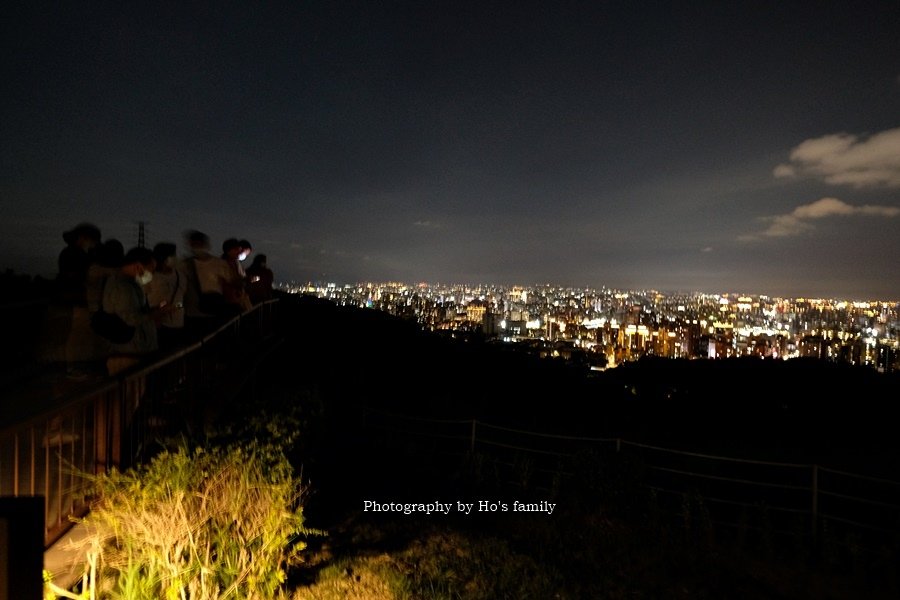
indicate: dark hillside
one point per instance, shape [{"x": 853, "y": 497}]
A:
[
  {"x": 798, "y": 410},
  {"x": 372, "y": 358}
]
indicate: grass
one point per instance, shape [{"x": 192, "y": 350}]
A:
[
  {"x": 199, "y": 523},
  {"x": 437, "y": 563}
]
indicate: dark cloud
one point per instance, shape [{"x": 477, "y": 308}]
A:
[{"x": 592, "y": 143}]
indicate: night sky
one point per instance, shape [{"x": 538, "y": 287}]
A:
[{"x": 712, "y": 146}]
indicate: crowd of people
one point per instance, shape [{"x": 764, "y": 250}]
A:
[{"x": 123, "y": 306}]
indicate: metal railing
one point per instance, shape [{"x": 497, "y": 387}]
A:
[{"x": 119, "y": 422}]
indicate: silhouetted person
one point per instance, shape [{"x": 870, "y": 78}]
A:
[
  {"x": 73, "y": 262},
  {"x": 107, "y": 261},
  {"x": 167, "y": 289},
  {"x": 234, "y": 287},
  {"x": 205, "y": 306},
  {"x": 93, "y": 348},
  {"x": 246, "y": 251},
  {"x": 123, "y": 295},
  {"x": 259, "y": 280}
]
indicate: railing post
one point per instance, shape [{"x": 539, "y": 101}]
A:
[
  {"x": 815, "y": 501},
  {"x": 618, "y": 445},
  {"x": 101, "y": 434},
  {"x": 32, "y": 450},
  {"x": 45, "y": 426},
  {"x": 472, "y": 439},
  {"x": 115, "y": 418},
  {"x": 15, "y": 483}
]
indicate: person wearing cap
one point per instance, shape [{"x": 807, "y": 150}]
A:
[
  {"x": 74, "y": 260},
  {"x": 80, "y": 347}
]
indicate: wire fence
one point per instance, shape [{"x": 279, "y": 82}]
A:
[{"x": 792, "y": 498}]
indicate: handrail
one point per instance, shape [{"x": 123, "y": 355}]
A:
[
  {"x": 70, "y": 399},
  {"x": 782, "y": 486},
  {"x": 65, "y": 403},
  {"x": 750, "y": 461},
  {"x": 109, "y": 424},
  {"x": 858, "y": 476}
]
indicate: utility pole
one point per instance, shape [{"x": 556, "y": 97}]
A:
[{"x": 140, "y": 241}]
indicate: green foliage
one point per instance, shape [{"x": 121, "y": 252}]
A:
[
  {"x": 207, "y": 523},
  {"x": 360, "y": 578},
  {"x": 437, "y": 565},
  {"x": 54, "y": 592},
  {"x": 447, "y": 565}
]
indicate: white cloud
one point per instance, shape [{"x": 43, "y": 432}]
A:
[
  {"x": 786, "y": 226},
  {"x": 846, "y": 159},
  {"x": 784, "y": 171},
  {"x": 827, "y": 207},
  {"x": 798, "y": 220},
  {"x": 427, "y": 224}
]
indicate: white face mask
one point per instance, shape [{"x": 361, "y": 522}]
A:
[
  {"x": 145, "y": 278},
  {"x": 243, "y": 255}
]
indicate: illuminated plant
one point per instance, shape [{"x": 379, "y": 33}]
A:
[{"x": 202, "y": 524}]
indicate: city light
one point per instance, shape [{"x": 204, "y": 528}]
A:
[{"x": 602, "y": 328}]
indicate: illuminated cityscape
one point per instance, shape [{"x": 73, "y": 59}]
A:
[{"x": 602, "y": 328}]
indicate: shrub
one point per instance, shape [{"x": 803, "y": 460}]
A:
[{"x": 202, "y": 524}]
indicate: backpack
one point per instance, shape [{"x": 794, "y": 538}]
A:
[{"x": 210, "y": 303}]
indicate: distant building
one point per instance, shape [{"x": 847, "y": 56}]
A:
[
  {"x": 887, "y": 358},
  {"x": 490, "y": 324},
  {"x": 475, "y": 311},
  {"x": 812, "y": 346}
]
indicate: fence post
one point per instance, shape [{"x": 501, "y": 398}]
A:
[
  {"x": 116, "y": 418},
  {"x": 815, "y": 501},
  {"x": 472, "y": 440}
]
